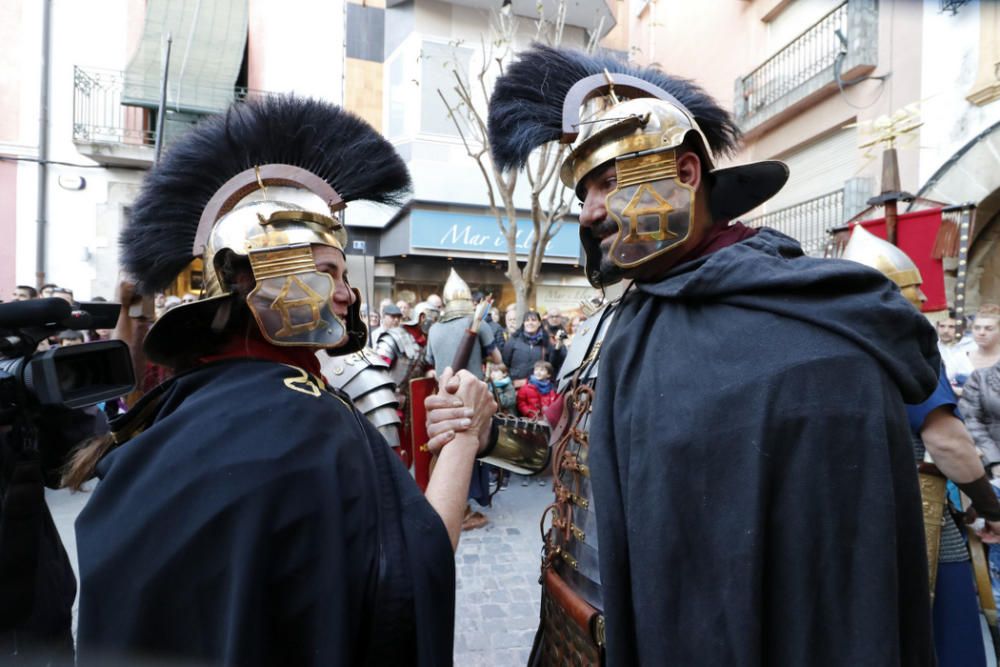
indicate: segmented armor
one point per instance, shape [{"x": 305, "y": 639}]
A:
[
  {"x": 364, "y": 376},
  {"x": 574, "y": 632},
  {"x": 405, "y": 355}
]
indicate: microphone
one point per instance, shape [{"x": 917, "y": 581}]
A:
[{"x": 33, "y": 313}]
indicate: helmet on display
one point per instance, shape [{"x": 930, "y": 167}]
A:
[
  {"x": 868, "y": 249},
  {"x": 457, "y": 298},
  {"x": 638, "y": 119},
  {"x": 262, "y": 184}
]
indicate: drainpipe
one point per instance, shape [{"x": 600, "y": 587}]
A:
[{"x": 43, "y": 146}]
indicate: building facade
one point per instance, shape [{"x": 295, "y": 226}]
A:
[
  {"x": 812, "y": 82},
  {"x": 385, "y": 60}
]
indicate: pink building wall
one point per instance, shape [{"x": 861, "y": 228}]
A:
[{"x": 8, "y": 227}]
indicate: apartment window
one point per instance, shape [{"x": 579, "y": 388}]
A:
[{"x": 438, "y": 62}]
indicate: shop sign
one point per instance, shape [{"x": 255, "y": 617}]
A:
[{"x": 473, "y": 232}]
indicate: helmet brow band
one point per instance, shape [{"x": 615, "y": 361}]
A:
[
  {"x": 602, "y": 84},
  {"x": 245, "y": 182}
]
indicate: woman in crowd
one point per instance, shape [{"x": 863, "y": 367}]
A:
[
  {"x": 529, "y": 344},
  {"x": 980, "y": 406},
  {"x": 986, "y": 334}
]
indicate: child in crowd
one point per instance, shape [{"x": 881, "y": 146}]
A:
[
  {"x": 503, "y": 389},
  {"x": 538, "y": 393}
]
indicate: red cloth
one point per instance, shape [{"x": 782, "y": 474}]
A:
[
  {"x": 254, "y": 346},
  {"x": 531, "y": 403},
  {"x": 719, "y": 236},
  {"x": 417, "y": 333}
]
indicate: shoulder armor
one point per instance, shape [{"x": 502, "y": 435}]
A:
[
  {"x": 586, "y": 345},
  {"x": 364, "y": 376}
]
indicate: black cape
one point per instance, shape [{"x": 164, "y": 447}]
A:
[
  {"x": 261, "y": 521},
  {"x": 754, "y": 485}
]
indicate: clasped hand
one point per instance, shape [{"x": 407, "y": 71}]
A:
[{"x": 459, "y": 412}]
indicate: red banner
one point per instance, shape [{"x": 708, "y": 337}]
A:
[
  {"x": 420, "y": 388},
  {"x": 915, "y": 235}
]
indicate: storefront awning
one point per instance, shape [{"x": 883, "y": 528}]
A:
[
  {"x": 477, "y": 235},
  {"x": 209, "y": 38}
]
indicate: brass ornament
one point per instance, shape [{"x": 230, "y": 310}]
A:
[{"x": 284, "y": 305}]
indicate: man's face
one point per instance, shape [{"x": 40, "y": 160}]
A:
[
  {"x": 946, "y": 330},
  {"x": 390, "y": 321},
  {"x": 47, "y": 292},
  {"x": 511, "y": 320},
  {"x": 595, "y": 222},
  {"x": 914, "y": 295},
  {"x": 985, "y": 331},
  {"x": 554, "y": 318},
  {"x": 21, "y": 294}
]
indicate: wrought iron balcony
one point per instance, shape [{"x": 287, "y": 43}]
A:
[
  {"x": 807, "y": 222},
  {"x": 114, "y": 133},
  {"x": 843, "y": 42}
]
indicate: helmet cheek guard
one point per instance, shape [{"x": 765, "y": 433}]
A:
[
  {"x": 653, "y": 209},
  {"x": 292, "y": 301}
]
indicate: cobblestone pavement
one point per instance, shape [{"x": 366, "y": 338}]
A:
[{"x": 496, "y": 569}]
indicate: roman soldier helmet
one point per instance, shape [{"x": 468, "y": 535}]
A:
[
  {"x": 868, "y": 249},
  {"x": 457, "y": 298},
  {"x": 610, "y": 110},
  {"x": 261, "y": 183}
]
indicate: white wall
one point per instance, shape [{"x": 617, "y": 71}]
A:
[
  {"x": 949, "y": 68},
  {"x": 89, "y": 34}
]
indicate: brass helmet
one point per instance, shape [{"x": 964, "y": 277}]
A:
[
  {"x": 457, "y": 298},
  {"x": 262, "y": 184},
  {"x": 868, "y": 249},
  {"x": 645, "y": 117}
]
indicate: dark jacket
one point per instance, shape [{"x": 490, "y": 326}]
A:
[
  {"x": 259, "y": 520},
  {"x": 520, "y": 355},
  {"x": 753, "y": 469}
]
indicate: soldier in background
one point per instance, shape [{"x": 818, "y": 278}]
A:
[{"x": 442, "y": 343}]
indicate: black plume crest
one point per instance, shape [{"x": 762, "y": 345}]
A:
[
  {"x": 526, "y": 106},
  {"x": 332, "y": 143}
]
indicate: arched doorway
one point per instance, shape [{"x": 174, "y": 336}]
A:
[{"x": 972, "y": 174}]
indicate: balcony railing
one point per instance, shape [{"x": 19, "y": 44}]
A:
[
  {"x": 806, "y": 56},
  {"x": 805, "y": 67},
  {"x": 102, "y": 120},
  {"x": 807, "y": 222}
]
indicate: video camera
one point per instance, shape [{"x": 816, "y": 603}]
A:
[{"x": 72, "y": 376}]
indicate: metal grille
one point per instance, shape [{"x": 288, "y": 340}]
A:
[
  {"x": 100, "y": 117},
  {"x": 807, "y": 222},
  {"x": 807, "y": 55}
]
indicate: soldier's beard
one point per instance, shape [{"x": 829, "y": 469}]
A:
[{"x": 597, "y": 240}]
